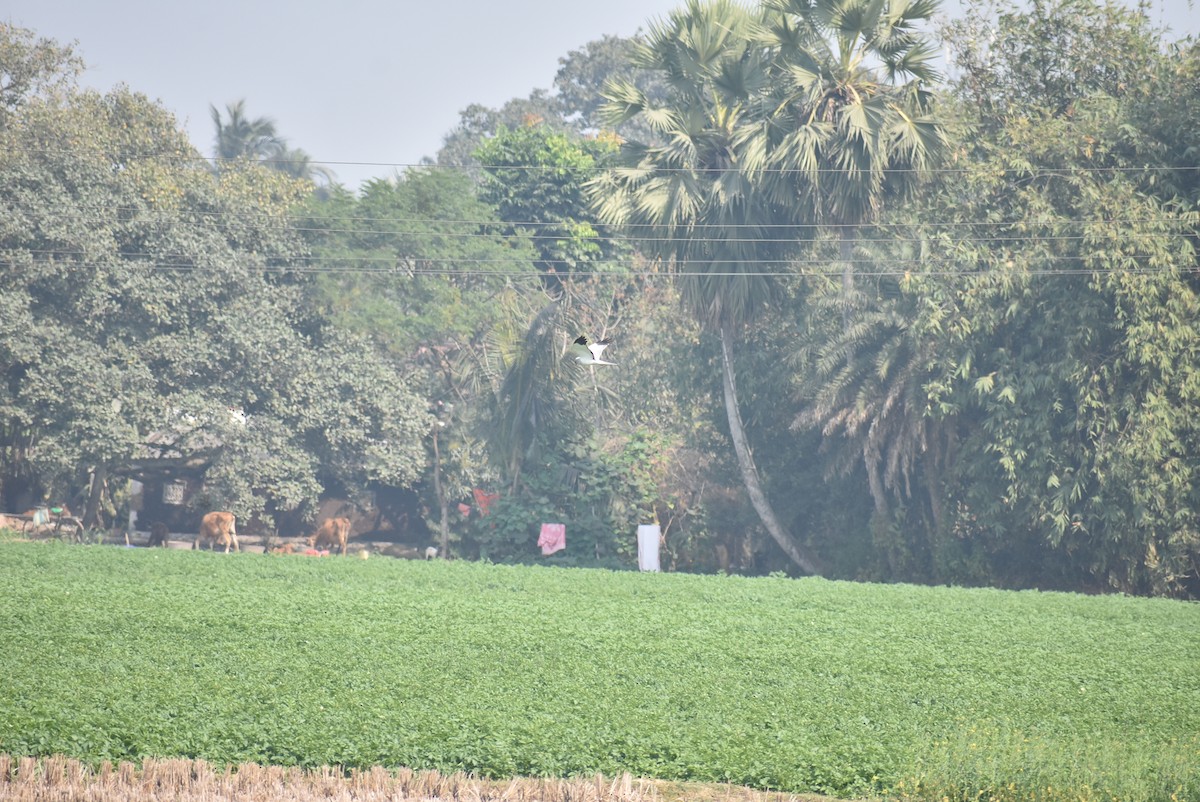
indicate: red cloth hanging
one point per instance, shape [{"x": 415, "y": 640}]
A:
[{"x": 483, "y": 500}]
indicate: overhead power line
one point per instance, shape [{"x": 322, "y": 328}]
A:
[
  {"x": 813, "y": 268},
  {"x": 142, "y": 257},
  {"x": 988, "y": 239},
  {"x": 225, "y": 218},
  {"x": 133, "y": 155}
]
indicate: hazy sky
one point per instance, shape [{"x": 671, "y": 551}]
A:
[{"x": 349, "y": 81}]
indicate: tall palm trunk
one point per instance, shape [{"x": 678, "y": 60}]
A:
[
  {"x": 749, "y": 469},
  {"x": 846, "y": 237}
]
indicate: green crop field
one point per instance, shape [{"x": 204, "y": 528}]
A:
[{"x": 800, "y": 685}]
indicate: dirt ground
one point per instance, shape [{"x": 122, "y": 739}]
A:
[{"x": 255, "y": 544}]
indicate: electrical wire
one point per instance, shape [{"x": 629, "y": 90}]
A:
[
  {"x": 137, "y": 257},
  {"x": 526, "y": 230},
  {"x": 222, "y": 218},
  {"x": 636, "y": 239},
  {"x": 133, "y": 155},
  {"x": 677, "y": 271}
]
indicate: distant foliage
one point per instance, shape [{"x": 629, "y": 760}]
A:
[{"x": 988, "y": 376}]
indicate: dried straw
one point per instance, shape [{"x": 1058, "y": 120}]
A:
[{"x": 61, "y": 779}]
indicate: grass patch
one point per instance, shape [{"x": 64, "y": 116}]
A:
[
  {"x": 1004, "y": 765},
  {"x": 804, "y": 686}
]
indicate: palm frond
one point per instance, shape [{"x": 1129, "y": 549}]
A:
[{"x": 622, "y": 102}]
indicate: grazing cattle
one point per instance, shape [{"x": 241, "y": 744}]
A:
[
  {"x": 431, "y": 553},
  {"x": 217, "y": 527},
  {"x": 158, "y": 534},
  {"x": 333, "y": 532}
]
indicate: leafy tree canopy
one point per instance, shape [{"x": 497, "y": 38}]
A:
[
  {"x": 573, "y": 106},
  {"x": 30, "y": 65},
  {"x": 478, "y": 122},
  {"x": 535, "y": 177},
  {"x": 150, "y": 327},
  {"x": 1020, "y": 392},
  {"x": 583, "y": 73},
  {"x": 414, "y": 262}
]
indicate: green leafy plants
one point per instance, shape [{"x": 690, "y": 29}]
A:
[{"x": 801, "y": 685}]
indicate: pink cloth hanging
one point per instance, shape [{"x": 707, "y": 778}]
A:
[{"x": 553, "y": 538}]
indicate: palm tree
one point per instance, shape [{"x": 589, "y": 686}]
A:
[
  {"x": 532, "y": 403},
  {"x": 863, "y": 387},
  {"x": 298, "y": 164},
  {"x": 694, "y": 195},
  {"x": 240, "y": 137},
  {"x": 851, "y": 122},
  {"x": 526, "y": 403}
]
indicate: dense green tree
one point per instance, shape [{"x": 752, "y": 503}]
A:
[
  {"x": 1041, "y": 59},
  {"x": 414, "y": 262},
  {"x": 1039, "y": 346},
  {"x": 1164, "y": 110},
  {"x": 1081, "y": 329},
  {"x": 31, "y": 66},
  {"x": 1074, "y": 365},
  {"x": 534, "y": 177},
  {"x": 1016, "y": 397},
  {"x": 150, "y": 325},
  {"x": 477, "y": 123}
]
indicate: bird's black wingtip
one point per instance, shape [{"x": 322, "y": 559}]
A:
[{"x": 581, "y": 340}]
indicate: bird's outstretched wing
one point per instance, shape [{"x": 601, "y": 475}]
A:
[
  {"x": 579, "y": 349},
  {"x": 586, "y": 353}
]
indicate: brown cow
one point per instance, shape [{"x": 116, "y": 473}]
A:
[
  {"x": 333, "y": 532},
  {"x": 158, "y": 534},
  {"x": 218, "y": 528}
]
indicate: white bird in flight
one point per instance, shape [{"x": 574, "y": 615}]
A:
[{"x": 586, "y": 353}]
